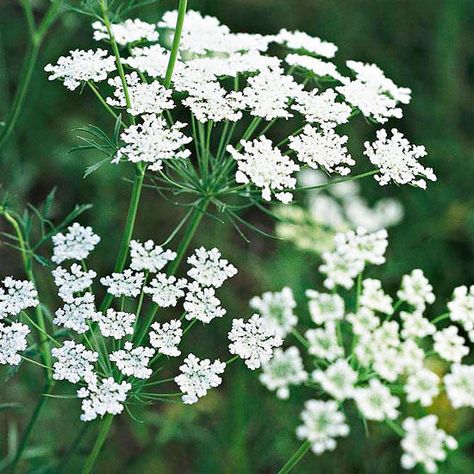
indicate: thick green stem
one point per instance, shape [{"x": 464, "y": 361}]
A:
[
  {"x": 295, "y": 459},
  {"x": 99, "y": 443}
]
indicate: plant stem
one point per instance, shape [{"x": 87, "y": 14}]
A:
[
  {"x": 99, "y": 442},
  {"x": 73, "y": 448},
  {"x": 294, "y": 460}
]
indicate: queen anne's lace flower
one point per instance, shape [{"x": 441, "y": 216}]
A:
[
  {"x": 116, "y": 324},
  {"x": 374, "y": 298},
  {"x": 152, "y": 142},
  {"x": 15, "y": 296},
  {"x": 197, "y": 377},
  {"x": 375, "y": 401},
  {"x": 339, "y": 270},
  {"x": 315, "y": 65},
  {"x": 165, "y": 337},
  {"x": 415, "y": 325},
  {"x": 208, "y": 268},
  {"x": 277, "y": 308},
  {"x": 166, "y": 290},
  {"x": 102, "y": 397},
  {"x": 323, "y": 342},
  {"x": 364, "y": 321},
  {"x": 416, "y": 289},
  {"x": 148, "y": 256},
  {"x": 81, "y": 66},
  {"x": 424, "y": 443},
  {"x": 76, "y": 244},
  {"x": 325, "y": 150},
  {"x": 322, "y": 424},
  {"x": 450, "y": 345},
  {"x": 337, "y": 380},
  {"x": 130, "y": 31},
  {"x": 74, "y": 362},
  {"x": 422, "y": 386},
  {"x": 127, "y": 283},
  {"x": 299, "y": 40},
  {"x": 284, "y": 369},
  {"x": 266, "y": 167},
  {"x": 253, "y": 340},
  {"x": 152, "y": 60},
  {"x": 74, "y": 281},
  {"x": 461, "y": 308},
  {"x": 459, "y": 385},
  {"x": 397, "y": 160},
  {"x": 12, "y": 341},
  {"x": 133, "y": 361},
  {"x": 202, "y": 304},
  {"x": 325, "y": 307},
  {"x": 76, "y": 312}
]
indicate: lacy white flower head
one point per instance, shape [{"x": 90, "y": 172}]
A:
[
  {"x": 339, "y": 270},
  {"x": 325, "y": 150},
  {"x": 460, "y": 385},
  {"x": 129, "y": 31},
  {"x": 165, "y": 337},
  {"x": 71, "y": 282},
  {"x": 416, "y": 325},
  {"x": 424, "y": 443},
  {"x": 202, "y": 304},
  {"x": 416, "y": 289},
  {"x": 315, "y": 65},
  {"x": 422, "y": 386},
  {"x": 116, "y": 324},
  {"x": 148, "y": 256},
  {"x": 397, "y": 160},
  {"x": 266, "y": 167},
  {"x": 127, "y": 283},
  {"x": 375, "y": 401},
  {"x": 152, "y": 60},
  {"x": 102, "y": 396},
  {"x": 322, "y": 424},
  {"x": 133, "y": 361},
  {"x": 74, "y": 362},
  {"x": 325, "y": 307},
  {"x": 374, "y": 298},
  {"x": 299, "y": 40},
  {"x": 450, "y": 345},
  {"x": 76, "y": 244},
  {"x": 284, "y": 369},
  {"x": 461, "y": 308},
  {"x": 13, "y": 339},
  {"x": 81, "y": 66},
  {"x": 337, "y": 380},
  {"x": 208, "y": 268},
  {"x": 323, "y": 342},
  {"x": 76, "y": 313},
  {"x": 197, "y": 377},
  {"x": 253, "y": 340},
  {"x": 152, "y": 142},
  {"x": 363, "y": 321},
  {"x": 16, "y": 296},
  {"x": 166, "y": 290},
  {"x": 277, "y": 308},
  {"x": 145, "y": 98}
]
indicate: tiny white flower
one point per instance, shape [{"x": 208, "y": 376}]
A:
[
  {"x": 148, "y": 256},
  {"x": 374, "y": 298},
  {"x": 129, "y": 31},
  {"x": 127, "y": 283},
  {"x": 317, "y": 66},
  {"x": 73, "y": 281},
  {"x": 12, "y": 341},
  {"x": 375, "y": 401},
  {"x": 461, "y": 307},
  {"x": 364, "y": 321},
  {"x": 74, "y": 361},
  {"x": 76, "y": 244},
  {"x": 166, "y": 290},
  {"x": 202, "y": 304},
  {"x": 337, "y": 380},
  {"x": 133, "y": 361},
  {"x": 415, "y": 325},
  {"x": 165, "y": 337},
  {"x": 460, "y": 385},
  {"x": 116, "y": 324},
  {"x": 208, "y": 268},
  {"x": 76, "y": 312},
  {"x": 422, "y": 386},
  {"x": 325, "y": 307},
  {"x": 299, "y": 40},
  {"x": 416, "y": 289},
  {"x": 323, "y": 342},
  {"x": 450, "y": 345},
  {"x": 15, "y": 296}
]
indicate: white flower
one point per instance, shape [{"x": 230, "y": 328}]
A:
[
  {"x": 364, "y": 321},
  {"x": 74, "y": 361},
  {"x": 202, "y": 304},
  {"x": 461, "y": 308},
  {"x": 76, "y": 312},
  {"x": 126, "y": 283},
  {"x": 12, "y": 341},
  {"x": 450, "y": 345},
  {"x": 133, "y": 361},
  {"x": 145, "y": 98},
  {"x": 370, "y": 100},
  {"x": 166, "y": 290},
  {"x": 325, "y": 307},
  {"x": 460, "y": 385},
  {"x": 165, "y": 337},
  {"x": 299, "y": 40},
  {"x": 130, "y": 31},
  {"x": 375, "y": 401},
  {"x": 152, "y": 142},
  {"x": 415, "y": 325},
  {"x": 422, "y": 386},
  {"x": 315, "y": 65},
  {"x": 424, "y": 443},
  {"x": 209, "y": 269},
  {"x": 340, "y": 270},
  {"x": 374, "y": 298},
  {"x": 397, "y": 160},
  {"x": 284, "y": 369},
  {"x": 152, "y": 60},
  {"x": 322, "y": 108},
  {"x": 322, "y": 424},
  {"x": 416, "y": 289},
  {"x": 76, "y": 244},
  {"x": 278, "y": 309},
  {"x": 266, "y": 167},
  {"x": 149, "y": 256},
  {"x": 197, "y": 377},
  {"x": 116, "y": 324},
  {"x": 101, "y": 397},
  {"x": 253, "y": 340},
  {"x": 325, "y": 150},
  {"x": 411, "y": 357},
  {"x": 74, "y": 281},
  {"x": 323, "y": 342},
  {"x": 81, "y": 66},
  {"x": 15, "y": 296},
  {"x": 337, "y": 380}
]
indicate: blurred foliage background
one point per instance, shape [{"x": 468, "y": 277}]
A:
[{"x": 423, "y": 44}]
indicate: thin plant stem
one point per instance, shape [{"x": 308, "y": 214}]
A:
[
  {"x": 300, "y": 337},
  {"x": 72, "y": 448},
  {"x": 107, "y": 107},
  {"x": 296, "y": 458},
  {"x": 99, "y": 443}
]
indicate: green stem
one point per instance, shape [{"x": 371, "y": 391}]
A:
[
  {"x": 73, "y": 448},
  {"x": 99, "y": 443},
  {"x": 295, "y": 459}
]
